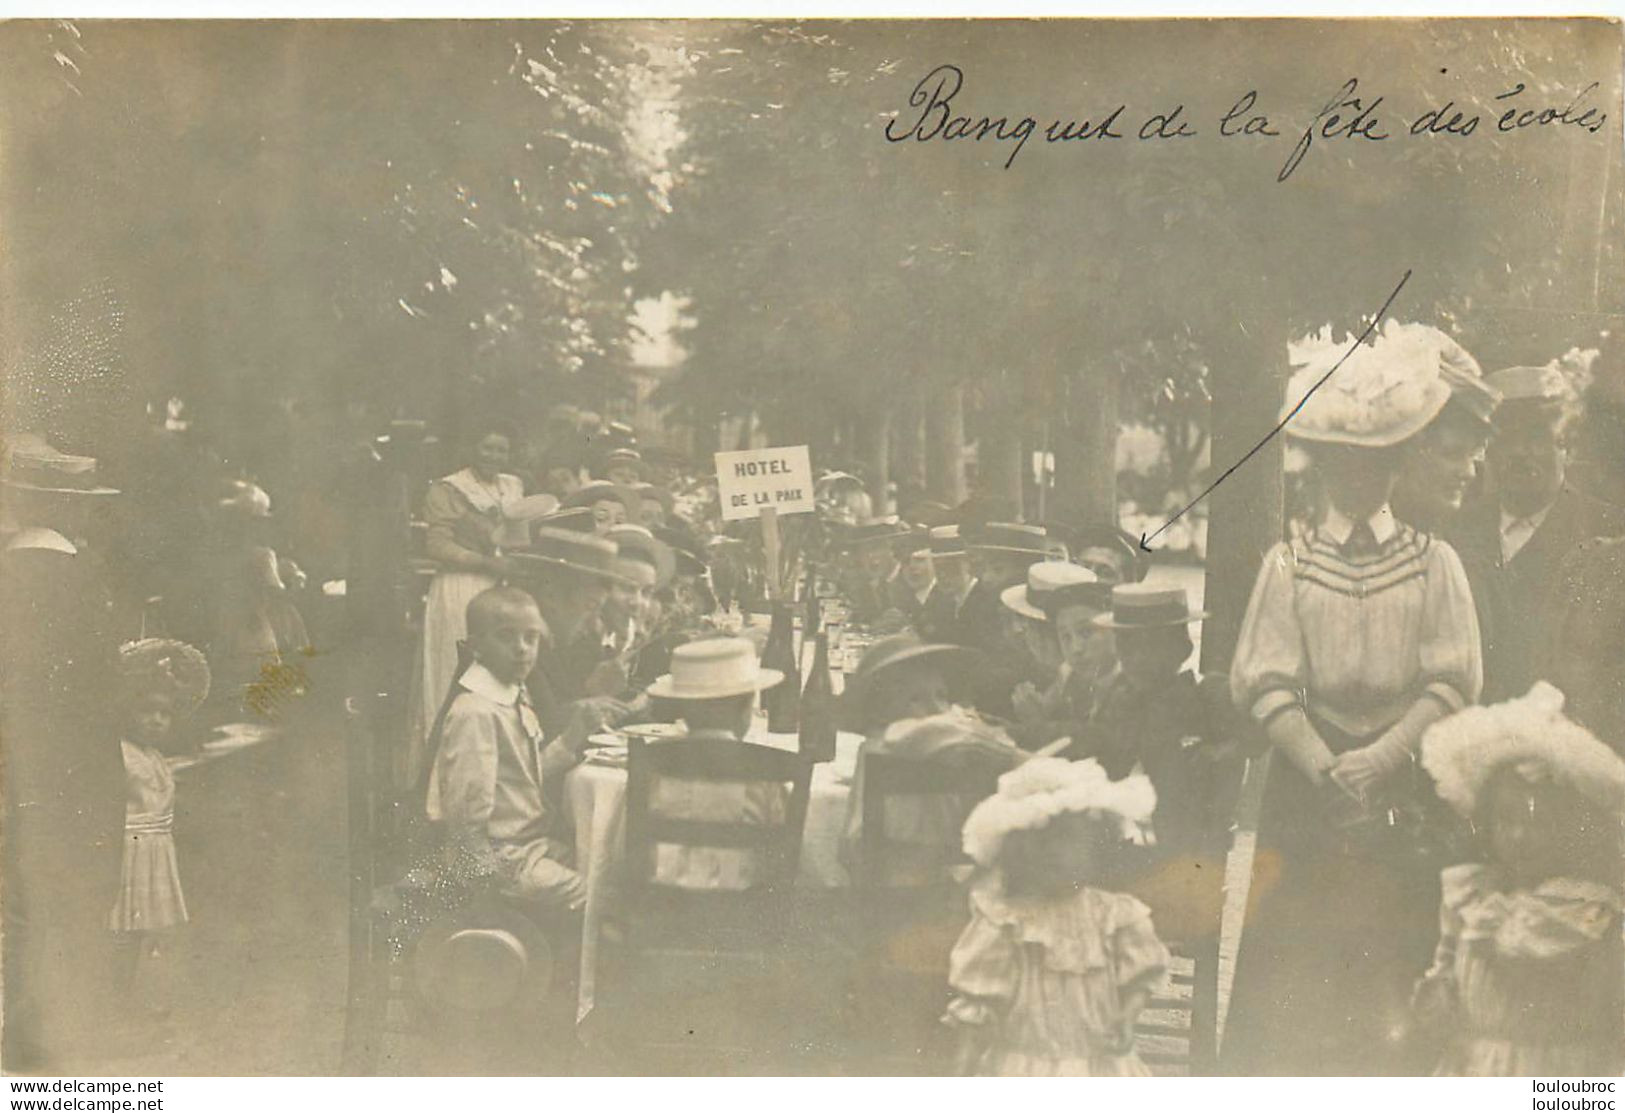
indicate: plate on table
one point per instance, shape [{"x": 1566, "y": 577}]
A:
[{"x": 654, "y": 732}]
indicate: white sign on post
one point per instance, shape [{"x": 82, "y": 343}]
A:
[{"x": 759, "y": 479}]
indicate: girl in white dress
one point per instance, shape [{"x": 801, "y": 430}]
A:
[
  {"x": 1527, "y": 978},
  {"x": 162, "y": 682},
  {"x": 1054, "y": 968}
]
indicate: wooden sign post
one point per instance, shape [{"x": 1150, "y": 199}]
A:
[{"x": 765, "y": 483}]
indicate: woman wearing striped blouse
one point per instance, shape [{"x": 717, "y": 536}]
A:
[{"x": 1360, "y": 633}]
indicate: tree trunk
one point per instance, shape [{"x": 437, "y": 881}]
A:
[
  {"x": 1244, "y": 512},
  {"x": 874, "y": 429},
  {"x": 1085, "y": 448},
  {"x": 908, "y": 438},
  {"x": 999, "y": 455},
  {"x": 945, "y": 443}
]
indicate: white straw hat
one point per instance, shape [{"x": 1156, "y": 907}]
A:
[{"x": 714, "y": 668}]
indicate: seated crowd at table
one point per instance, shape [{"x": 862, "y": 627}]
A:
[{"x": 1431, "y": 671}]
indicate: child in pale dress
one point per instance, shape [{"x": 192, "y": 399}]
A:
[
  {"x": 1527, "y": 979},
  {"x": 161, "y": 683},
  {"x": 1054, "y": 968}
]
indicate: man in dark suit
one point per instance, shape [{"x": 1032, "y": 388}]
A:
[
  {"x": 938, "y": 620},
  {"x": 1514, "y": 542},
  {"x": 1000, "y": 554}
]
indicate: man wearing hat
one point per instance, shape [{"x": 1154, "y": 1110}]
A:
[
  {"x": 938, "y": 620},
  {"x": 910, "y": 585},
  {"x": 712, "y": 688},
  {"x": 1149, "y": 714},
  {"x": 1110, "y": 553},
  {"x": 64, "y": 779},
  {"x": 624, "y": 467},
  {"x": 868, "y": 578},
  {"x": 681, "y": 607},
  {"x": 611, "y": 505},
  {"x": 610, "y": 642},
  {"x": 1068, "y": 654},
  {"x": 1517, "y": 537},
  {"x": 569, "y": 574},
  {"x": 1000, "y": 554}
]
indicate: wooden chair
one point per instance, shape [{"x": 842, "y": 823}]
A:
[
  {"x": 1178, "y": 1032},
  {"x": 708, "y": 976},
  {"x": 910, "y": 906},
  {"x": 438, "y": 980},
  {"x": 963, "y": 776}
]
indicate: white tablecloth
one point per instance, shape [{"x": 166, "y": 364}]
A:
[{"x": 596, "y": 798}]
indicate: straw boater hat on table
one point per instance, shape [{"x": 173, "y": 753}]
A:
[
  {"x": 1147, "y": 607},
  {"x": 714, "y": 668},
  {"x": 556, "y": 549},
  {"x": 30, "y": 463},
  {"x": 481, "y": 957},
  {"x": 1464, "y": 751},
  {"x": 1384, "y": 392},
  {"x": 1052, "y": 585}
]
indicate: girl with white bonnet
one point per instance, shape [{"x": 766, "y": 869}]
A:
[
  {"x": 1527, "y": 977},
  {"x": 1054, "y": 967},
  {"x": 1359, "y": 635}
]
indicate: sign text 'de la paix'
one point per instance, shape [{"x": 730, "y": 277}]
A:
[{"x": 751, "y": 481}]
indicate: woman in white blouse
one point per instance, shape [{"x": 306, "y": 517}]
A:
[{"x": 1359, "y": 634}]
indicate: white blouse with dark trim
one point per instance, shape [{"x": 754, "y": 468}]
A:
[{"x": 1356, "y": 638}]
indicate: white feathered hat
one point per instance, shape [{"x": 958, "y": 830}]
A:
[
  {"x": 1375, "y": 393},
  {"x": 1042, "y": 788},
  {"x": 1461, "y": 753}
]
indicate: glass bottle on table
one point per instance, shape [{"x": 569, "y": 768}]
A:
[
  {"x": 818, "y": 706},
  {"x": 783, "y": 700}
]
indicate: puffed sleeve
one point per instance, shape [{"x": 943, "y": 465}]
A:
[
  {"x": 1139, "y": 958},
  {"x": 982, "y": 972},
  {"x": 1271, "y": 666},
  {"x": 1451, "y": 653},
  {"x": 443, "y": 510}
]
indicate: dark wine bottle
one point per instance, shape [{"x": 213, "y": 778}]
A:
[
  {"x": 812, "y": 619},
  {"x": 783, "y": 699},
  {"x": 818, "y": 707}
]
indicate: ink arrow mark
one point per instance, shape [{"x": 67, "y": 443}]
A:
[{"x": 1146, "y": 539}]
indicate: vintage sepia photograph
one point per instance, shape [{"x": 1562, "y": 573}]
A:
[{"x": 679, "y": 547}]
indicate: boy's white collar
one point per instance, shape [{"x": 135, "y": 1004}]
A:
[{"x": 479, "y": 680}]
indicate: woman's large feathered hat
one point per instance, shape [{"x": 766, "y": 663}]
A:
[{"x": 1374, "y": 393}]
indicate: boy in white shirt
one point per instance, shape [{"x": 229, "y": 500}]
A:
[{"x": 494, "y": 785}]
